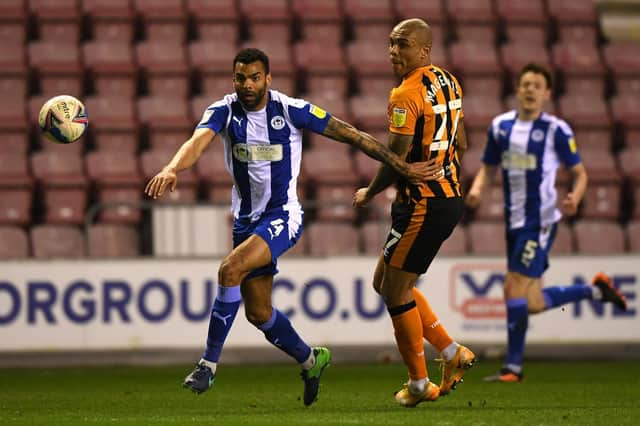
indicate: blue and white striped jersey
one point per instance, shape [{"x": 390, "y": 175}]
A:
[
  {"x": 530, "y": 153},
  {"x": 263, "y": 149}
]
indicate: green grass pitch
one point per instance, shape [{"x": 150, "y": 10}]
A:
[{"x": 553, "y": 393}]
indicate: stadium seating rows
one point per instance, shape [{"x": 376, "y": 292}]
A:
[{"x": 146, "y": 69}]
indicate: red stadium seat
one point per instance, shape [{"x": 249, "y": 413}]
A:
[
  {"x": 212, "y": 56},
  {"x": 15, "y": 206},
  {"x": 110, "y": 19},
  {"x": 322, "y": 144},
  {"x": 373, "y": 235},
  {"x": 374, "y": 63},
  {"x": 112, "y": 67},
  {"x": 57, "y": 19},
  {"x": 482, "y": 86},
  {"x": 584, "y": 111},
  {"x": 112, "y": 241},
  {"x": 164, "y": 63},
  {"x": 593, "y": 139},
  {"x": 628, "y": 85},
  {"x": 577, "y": 59},
  {"x": 329, "y": 32},
  {"x": 572, "y": 12},
  {"x": 13, "y": 69},
  {"x": 323, "y": 166},
  {"x": 602, "y": 168},
  {"x": 13, "y": 15},
  {"x": 380, "y": 207},
  {"x": 163, "y": 19},
  {"x": 334, "y": 202},
  {"x": 622, "y": 58},
  {"x": 336, "y": 85},
  {"x": 516, "y": 54},
  {"x": 487, "y": 238},
  {"x": 629, "y": 160},
  {"x": 316, "y": 57},
  {"x": 625, "y": 108},
  {"x": 13, "y": 115},
  {"x": 472, "y": 160},
  {"x": 215, "y": 20},
  {"x": 212, "y": 172},
  {"x": 332, "y": 239},
  {"x": 65, "y": 206},
  {"x": 377, "y": 32},
  {"x": 601, "y": 201},
  {"x": 58, "y": 66},
  {"x": 377, "y": 85},
  {"x": 14, "y": 172},
  {"x": 470, "y": 59},
  {"x": 632, "y": 137},
  {"x": 369, "y": 11},
  {"x": 120, "y": 204},
  {"x": 522, "y": 11},
  {"x": 527, "y": 34},
  {"x": 112, "y": 168},
  {"x": 15, "y": 142},
  {"x": 266, "y": 10},
  {"x": 278, "y": 32},
  {"x": 578, "y": 34},
  {"x": 318, "y": 10},
  {"x": 599, "y": 237},
  {"x": 577, "y": 85},
  {"x": 57, "y": 241},
  {"x": 456, "y": 244},
  {"x": 563, "y": 243},
  {"x": 113, "y": 122},
  {"x": 14, "y": 243},
  {"x": 167, "y": 119},
  {"x": 366, "y": 167},
  {"x": 476, "y": 34},
  {"x": 370, "y": 111},
  {"x": 479, "y": 111},
  {"x": 465, "y": 11},
  {"x": 58, "y": 169},
  {"x": 633, "y": 236},
  {"x": 432, "y": 11}
]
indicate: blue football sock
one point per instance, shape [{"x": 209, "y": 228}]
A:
[
  {"x": 223, "y": 313},
  {"x": 557, "y": 296},
  {"x": 279, "y": 331},
  {"x": 517, "y": 323}
]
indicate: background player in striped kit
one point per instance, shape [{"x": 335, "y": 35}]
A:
[
  {"x": 425, "y": 124},
  {"x": 262, "y": 134},
  {"x": 529, "y": 145}
]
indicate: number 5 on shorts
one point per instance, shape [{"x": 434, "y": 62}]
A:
[{"x": 529, "y": 252}]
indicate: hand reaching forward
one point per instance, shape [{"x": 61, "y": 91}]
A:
[
  {"x": 569, "y": 205},
  {"x": 156, "y": 186},
  {"x": 361, "y": 197}
]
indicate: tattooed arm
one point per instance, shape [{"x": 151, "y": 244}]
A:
[{"x": 341, "y": 131}]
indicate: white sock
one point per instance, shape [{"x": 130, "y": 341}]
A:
[
  {"x": 210, "y": 364},
  {"x": 596, "y": 293},
  {"x": 515, "y": 368},
  {"x": 417, "y": 386},
  {"x": 450, "y": 351},
  {"x": 309, "y": 362}
]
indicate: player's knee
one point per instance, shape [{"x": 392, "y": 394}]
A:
[
  {"x": 257, "y": 315},
  {"x": 229, "y": 272}
]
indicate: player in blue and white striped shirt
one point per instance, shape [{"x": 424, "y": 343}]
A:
[
  {"x": 262, "y": 134},
  {"x": 530, "y": 145}
]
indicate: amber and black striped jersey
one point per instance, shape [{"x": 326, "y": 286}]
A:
[{"x": 428, "y": 106}]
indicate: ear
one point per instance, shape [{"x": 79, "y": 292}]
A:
[
  {"x": 268, "y": 78},
  {"x": 425, "y": 52}
]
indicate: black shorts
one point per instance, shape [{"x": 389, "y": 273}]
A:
[{"x": 418, "y": 230}]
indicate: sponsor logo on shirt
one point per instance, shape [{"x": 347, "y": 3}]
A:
[
  {"x": 537, "y": 135},
  {"x": 277, "y": 122},
  {"x": 317, "y": 111},
  {"x": 572, "y": 145},
  {"x": 516, "y": 160},
  {"x": 246, "y": 153},
  {"x": 399, "y": 116},
  {"x": 206, "y": 116}
]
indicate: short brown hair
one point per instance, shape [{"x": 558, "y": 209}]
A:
[{"x": 537, "y": 69}]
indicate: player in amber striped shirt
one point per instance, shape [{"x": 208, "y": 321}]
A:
[{"x": 425, "y": 124}]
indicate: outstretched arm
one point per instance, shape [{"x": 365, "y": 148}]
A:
[
  {"x": 344, "y": 132},
  {"x": 572, "y": 200},
  {"x": 186, "y": 157}
]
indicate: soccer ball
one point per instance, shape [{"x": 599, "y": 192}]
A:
[{"x": 63, "y": 119}]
